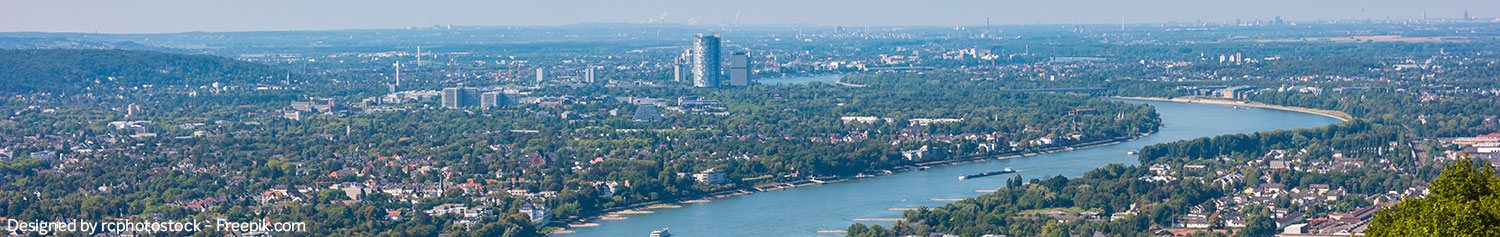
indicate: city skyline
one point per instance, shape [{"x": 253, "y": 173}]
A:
[
  {"x": 828, "y": 118},
  {"x": 166, "y": 16}
]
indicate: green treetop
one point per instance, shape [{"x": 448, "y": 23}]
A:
[{"x": 1463, "y": 203}]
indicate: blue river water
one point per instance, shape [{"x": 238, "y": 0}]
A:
[{"x": 804, "y": 211}]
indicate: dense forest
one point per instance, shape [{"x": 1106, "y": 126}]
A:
[{"x": 81, "y": 71}]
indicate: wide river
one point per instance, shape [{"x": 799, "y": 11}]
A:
[{"x": 804, "y": 211}]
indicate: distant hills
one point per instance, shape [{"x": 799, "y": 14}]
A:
[
  {"x": 78, "y": 70},
  {"x": 59, "y": 42}
]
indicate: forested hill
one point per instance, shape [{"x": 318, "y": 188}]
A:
[{"x": 78, "y": 70}]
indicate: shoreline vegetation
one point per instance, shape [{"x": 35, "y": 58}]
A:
[
  {"x": 1341, "y": 116},
  {"x": 645, "y": 207},
  {"x": 1325, "y": 113}
]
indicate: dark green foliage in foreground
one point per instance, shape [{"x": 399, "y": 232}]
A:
[{"x": 1464, "y": 202}]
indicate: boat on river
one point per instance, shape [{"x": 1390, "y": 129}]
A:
[
  {"x": 661, "y": 233},
  {"x": 1007, "y": 170}
]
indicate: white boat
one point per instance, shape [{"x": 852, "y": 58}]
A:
[{"x": 661, "y": 233}]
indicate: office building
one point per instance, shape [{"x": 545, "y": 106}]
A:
[
  {"x": 588, "y": 75},
  {"x": 676, "y": 73},
  {"x": 451, "y": 97},
  {"x": 706, "y": 61},
  {"x": 459, "y": 97},
  {"x": 491, "y": 99},
  {"x": 739, "y": 68},
  {"x": 540, "y": 76}
]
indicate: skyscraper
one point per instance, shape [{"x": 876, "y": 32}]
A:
[
  {"x": 539, "y": 76},
  {"x": 588, "y": 75},
  {"x": 706, "y": 61},
  {"x": 398, "y": 77},
  {"x": 739, "y": 68}
]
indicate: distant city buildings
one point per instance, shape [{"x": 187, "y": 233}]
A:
[
  {"x": 676, "y": 73},
  {"x": 646, "y": 112},
  {"x": 697, "y": 103},
  {"x": 739, "y": 69},
  {"x": 457, "y": 97},
  {"x": 490, "y": 99},
  {"x": 314, "y": 106},
  {"x": 540, "y": 76},
  {"x": 460, "y": 97},
  {"x": 1237, "y": 92},
  {"x": 395, "y": 86},
  {"x": 588, "y": 75},
  {"x": 706, "y": 61}
]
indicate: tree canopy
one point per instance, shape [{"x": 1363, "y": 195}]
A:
[{"x": 1463, "y": 203}]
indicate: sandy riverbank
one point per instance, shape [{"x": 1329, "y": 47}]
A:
[{"x": 1341, "y": 116}]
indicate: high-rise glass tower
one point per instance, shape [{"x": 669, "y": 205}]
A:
[{"x": 706, "y": 61}]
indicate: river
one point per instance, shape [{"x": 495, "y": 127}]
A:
[{"x": 804, "y": 211}]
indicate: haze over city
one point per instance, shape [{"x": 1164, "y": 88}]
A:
[
  {"x": 168, "y": 16},
  {"x": 662, "y": 118}
]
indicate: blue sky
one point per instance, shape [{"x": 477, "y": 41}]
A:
[{"x": 159, "y": 16}]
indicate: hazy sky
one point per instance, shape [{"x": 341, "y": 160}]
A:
[{"x": 155, "y": 16}]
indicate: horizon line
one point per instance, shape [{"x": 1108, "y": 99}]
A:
[{"x": 1317, "y": 21}]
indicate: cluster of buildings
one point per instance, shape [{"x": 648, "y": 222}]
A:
[
  {"x": 139, "y": 128},
  {"x": 1484, "y": 147},
  {"x": 1304, "y": 202},
  {"x": 460, "y": 97},
  {"x": 296, "y": 110},
  {"x": 1226, "y": 92},
  {"x": 409, "y": 193},
  {"x": 707, "y": 63},
  {"x": 466, "y": 215}
]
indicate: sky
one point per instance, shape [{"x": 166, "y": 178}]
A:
[{"x": 170, "y": 16}]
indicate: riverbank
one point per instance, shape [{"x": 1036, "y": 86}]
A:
[
  {"x": 1341, "y": 116},
  {"x": 643, "y": 208},
  {"x": 802, "y": 211},
  {"x": 850, "y": 84}
]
